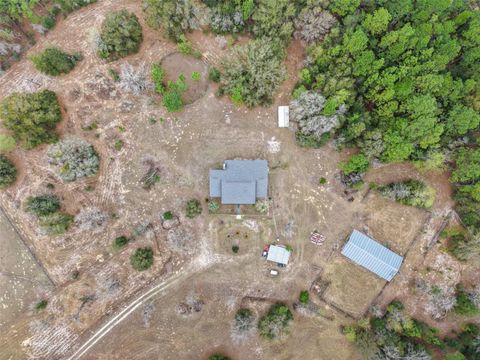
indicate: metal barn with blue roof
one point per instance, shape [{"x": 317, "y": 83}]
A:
[{"x": 371, "y": 255}]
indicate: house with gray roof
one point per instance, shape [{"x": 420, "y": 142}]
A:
[
  {"x": 240, "y": 181},
  {"x": 371, "y": 255}
]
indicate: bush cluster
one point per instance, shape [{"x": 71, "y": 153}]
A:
[
  {"x": 53, "y": 61},
  {"x": 193, "y": 208},
  {"x": 275, "y": 323},
  {"x": 32, "y": 117},
  {"x": 47, "y": 209},
  {"x": 74, "y": 159},
  {"x": 175, "y": 17},
  {"x": 395, "y": 335},
  {"x": 409, "y": 192}
]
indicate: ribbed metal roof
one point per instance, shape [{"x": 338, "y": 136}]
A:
[
  {"x": 372, "y": 256},
  {"x": 278, "y": 254}
]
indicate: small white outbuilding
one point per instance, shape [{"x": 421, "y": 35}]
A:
[{"x": 283, "y": 116}]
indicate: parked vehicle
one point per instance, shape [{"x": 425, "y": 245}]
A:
[{"x": 265, "y": 250}]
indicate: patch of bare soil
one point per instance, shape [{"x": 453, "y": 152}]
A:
[{"x": 176, "y": 64}]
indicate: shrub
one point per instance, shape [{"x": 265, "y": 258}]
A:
[
  {"x": 254, "y": 72},
  {"x": 7, "y": 143},
  {"x": 262, "y": 206},
  {"x": 31, "y": 117},
  {"x": 141, "y": 229},
  {"x": 158, "y": 76},
  {"x": 172, "y": 100},
  {"x": 235, "y": 249},
  {"x": 133, "y": 80},
  {"x": 275, "y": 323},
  {"x": 213, "y": 207},
  {"x": 193, "y": 208},
  {"x": 356, "y": 164},
  {"x": 120, "y": 242},
  {"x": 114, "y": 74},
  {"x": 196, "y": 76},
  {"x": 184, "y": 46},
  {"x": 465, "y": 306},
  {"x": 167, "y": 215},
  {"x": 322, "y": 181},
  {"x": 218, "y": 357},
  {"x": 121, "y": 35},
  {"x": 8, "y": 172},
  {"x": 91, "y": 219},
  {"x": 54, "y": 61},
  {"x": 118, "y": 144},
  {"x": 304, "y": 297},
  {"x": 214, "y": 74},
  {"x": 74, "y": 158},
  {"x": 409, "y": 192},
  {"x": 41, "y": 305},
  {"x": 56, "y": 223},
  {"x": 142, "y": 259},
  {"x": 176, "y": 17},
  {"x": 43, "y": 205}
]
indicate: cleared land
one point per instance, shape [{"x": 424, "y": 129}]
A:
[{"x": 185, "y": 146}]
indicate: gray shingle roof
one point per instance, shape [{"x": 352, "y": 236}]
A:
[
  {"x": 242, "y": 181},
  {"x": 372, "y": 256}
]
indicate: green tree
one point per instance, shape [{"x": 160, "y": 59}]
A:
[
  {"x": 274, "y": 19},
  {"x": 121, "y": 35},
  {"x": 462, "y": 119},
  {"x": 377, "y": 23},
  {"x": 8, "y": 172},
  {"x": 54, "y": 61},
  {"x": 142, "y": 259},
  {"x": 467, "y": 165},
  {"x": 31, "y": 117},
  {"x": 344, "y": 7},
  {"x": 254, "y": 72}
]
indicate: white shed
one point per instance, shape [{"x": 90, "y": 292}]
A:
[{"x": 283, "y": 116}]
